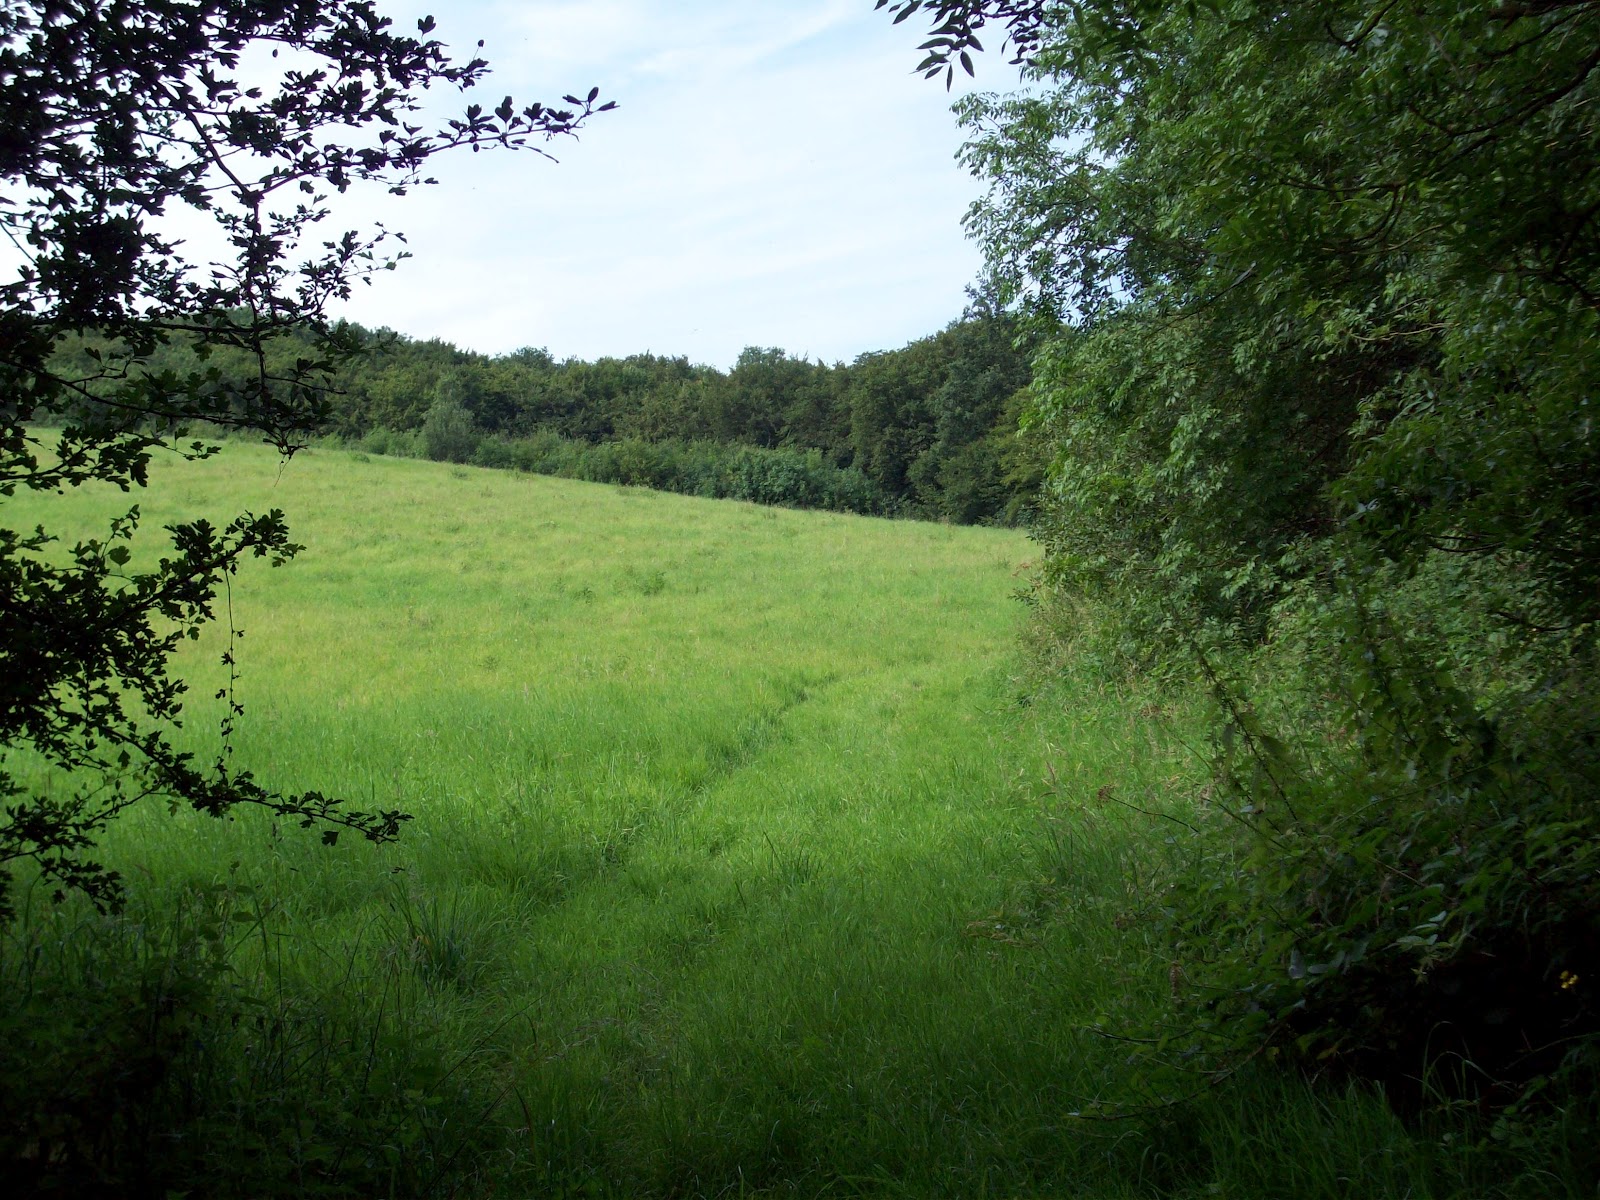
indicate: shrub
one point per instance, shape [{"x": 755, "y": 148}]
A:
[
  {"x": 449, "y": 432},
  {"x": 497, "y": 452},
  {"x": 1394, "y": 878},
  {"x": 392, "y": 442},
  {"x": 645, "y": 464}
]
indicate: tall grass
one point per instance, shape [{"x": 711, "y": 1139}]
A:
[{"x": 742, "y": 865}]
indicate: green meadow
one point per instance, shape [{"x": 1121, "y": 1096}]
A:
[{"x": 749, "y": 856}]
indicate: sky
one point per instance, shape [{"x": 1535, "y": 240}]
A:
[{"x": 775, "y": 174}]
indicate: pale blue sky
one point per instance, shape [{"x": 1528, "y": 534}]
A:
[{"x": 775, "y": 175}]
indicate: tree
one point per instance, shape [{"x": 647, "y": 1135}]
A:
[
  {"x": 118, "y": 115},
  {"x": 1330, "y": 280},
  {"x": 449, "y": 434},
  {"x": 1392, "y": 208},
  {"x": 752, "y": 402}
]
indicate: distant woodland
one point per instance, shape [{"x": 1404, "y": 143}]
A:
[{"x": 928, "y": 430}]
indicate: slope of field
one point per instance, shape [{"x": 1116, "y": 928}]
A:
[{"x": 739, "y": 863}]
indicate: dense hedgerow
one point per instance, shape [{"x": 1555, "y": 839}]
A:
[
  {"x": 1324, "y": 435},
  {"x": 785, "y": 477}
]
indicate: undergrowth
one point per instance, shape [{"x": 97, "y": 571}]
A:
[{"x": 142, "y": 1056}]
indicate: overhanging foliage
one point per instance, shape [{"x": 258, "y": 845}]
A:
[{"x": 117, "y": 114}]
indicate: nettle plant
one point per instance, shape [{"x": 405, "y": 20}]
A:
[{"x": 118, "y": 116}]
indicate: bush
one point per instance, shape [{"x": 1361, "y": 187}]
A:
[
  {"x": 1395, "y": 878},
  {"x": 394, "y": 443},
  {"x": 645, "y": 464},
  {"x": 497, "y": 452},
  {"x": 450, "y": 433}
]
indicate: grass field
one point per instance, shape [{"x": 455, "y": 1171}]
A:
[{"x": 743, "y": 863}]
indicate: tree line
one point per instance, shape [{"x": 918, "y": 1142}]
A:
[{"x": 928, "y": 430}]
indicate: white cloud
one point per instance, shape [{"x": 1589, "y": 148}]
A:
[{"x": 775, "y": 175}]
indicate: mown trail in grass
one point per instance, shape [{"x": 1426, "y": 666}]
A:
[{"x": 734, "y": 867}]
